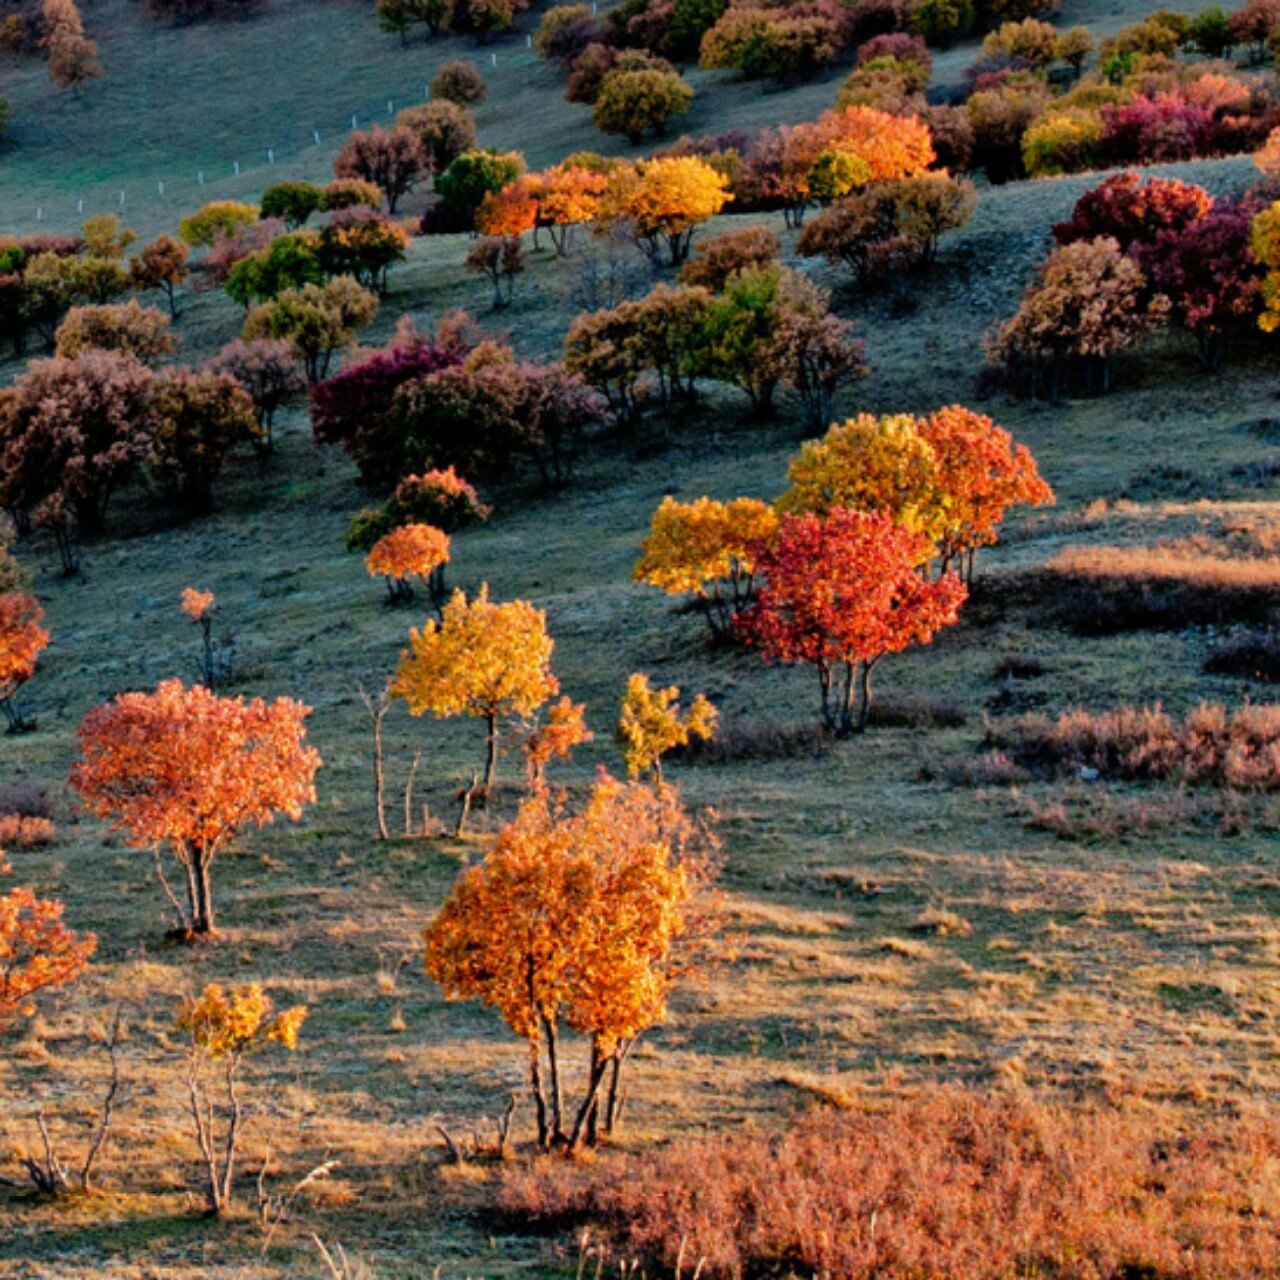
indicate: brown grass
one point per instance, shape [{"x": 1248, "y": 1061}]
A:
[
  {"x": 1210, "y": 747},
  {"x": 957, "y": 1186}
]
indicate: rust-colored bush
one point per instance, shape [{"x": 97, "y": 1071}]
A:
[
  {"x": 20, "y": 832},
  {"x": 1212, "y": 746},
  {"x": 954, "y": 1186}
]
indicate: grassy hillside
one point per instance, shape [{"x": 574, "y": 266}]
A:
[
  {"x": 902, "y": 920},
  {"x": 175, "y": 102},
  {"x": 897, "y": 928}
]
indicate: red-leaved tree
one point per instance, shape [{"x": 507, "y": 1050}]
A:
[{"x": 840, "y": 592}]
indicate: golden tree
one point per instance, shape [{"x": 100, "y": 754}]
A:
[
  {"x": 582, "y": 920},
  {"x": 222, "y": 1029},
  {"x": 707, "y": 548},
  {"x": 189, "y": 769},
  {"x": 652, "y": 723},
  {"x": 665, "y": 201},
  {"x": 482, "y": 659},
  {"x": 411, "y": 551}
]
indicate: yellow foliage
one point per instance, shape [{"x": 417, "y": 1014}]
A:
[
  {"x": 229, "y": 1024},
  {"x": 652, "y": 724}
]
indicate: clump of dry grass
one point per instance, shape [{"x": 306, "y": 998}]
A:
[
  {"x": 1104, "y": 590},
  {"x": 954, "y": 1184},
  {"x": 1211, "y": 747},
  {"x": 19, "y": 832},
  {"x": 1090, "y": 814}
]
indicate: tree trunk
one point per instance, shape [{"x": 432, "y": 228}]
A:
[
  {"x": 202, "y": 908},
  {"x": 491, "y": 751},
  {"x": 864, "y": 694}
]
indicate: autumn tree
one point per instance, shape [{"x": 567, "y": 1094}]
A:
[
  {"x": 162, "y": 266},
  {"x": 568, "y": 196},
  {"x": 637, "y": 102},
  {"x": 708, "y": 549},
  {"x": 444, "y": 130},
  {"x": 1265, "y": 243},
  {"x": 317, "y": 320},
  {"x": 201, "y": 607},
  {"x": 501, "y": 259},
  {"x": 482, "y": 659},
  {"x": 189, "y": 770},
  {"x": 218, "y": 219},
  {"x": 199, "y": 418},
  {"x": 363, "y": 244},
  {"x": 269, "y": 371},
  {"x": 392, "y": 158},
  {"x": 127, "y": 327},
  {"x": 23, "y": 639},
  {"x": 552, "y": 735},
  {"x": 462, "y": 187},
  {"x": 221, "y": 1029},
  {"x": 508, "y": 213},
  {"x": 950, "y": 478},
  {"x": 584, "y": 922},
  {"x": 459, "y": 82},
  {"x": 665, "y": 201},
  {"x": 1089, "y": 303},
  {"x": 73, "y": 57},
  {"x": 441, "y": 498},
  {"x": 839, "y": 593},
  {"x": 1134, "y": 211},
  {"x": 37, "y": 951},
  {"x": 72, "y": 432},
  {"x": 715, "y": 260},
  {"x": 407, "y": 552},
  {"x": 653, "y": 723}
]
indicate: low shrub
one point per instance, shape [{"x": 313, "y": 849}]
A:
[
  {"x": 1255, "y": 655},
  {"x": 955, "y": 1183},
  {"x": 1212, "y": 746}
]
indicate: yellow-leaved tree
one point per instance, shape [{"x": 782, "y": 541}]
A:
[
  {"x": 665, "y": 201},
  {"x": 222, "y": 1028},
  {"x": 580, "y": 920},
  {"x": 707, "y": 548},
  {"x": 653, "y": 723},
  {"x": 482, "y": 659}
]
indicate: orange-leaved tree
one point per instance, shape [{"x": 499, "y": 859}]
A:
[
  {"x": 982, "y": 473},
  {"x": 411, "y": 551},
  {"x": 950, "y": 478},
  {"x": 840, "y": 592},
  {"x": 37, "y": 951},
  {"x": 222, "y": 1028},
  {"x": 707, "y": 548},
  {"x": 568, "y": 195},
  {"x": 481, "y": 659},
  {"x": 553, "y": 737},
  {"x": 510, "y": 212},
  {"x": 22, "y": 641},
  {"x": 200, "y": 606},
  {"x": 582, "y": 920},
  {"x": 189, "y": 769},
  {"x": 653, "y": 723}
]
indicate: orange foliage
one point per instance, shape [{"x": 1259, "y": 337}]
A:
[
  {"x": 188, "y": 769},
  {"x": 554, "y": 739},
  {"x": 665, "y": 200},
  {"x": 411, "y": 551},
  {"x": 22, "y": 640},
  {"x": 579, "y": 920},
  {"x": 37, "y": 950},
  {"x": 568, "y": 195},
  {"x": 708, "y": 548},
  {"x": 197, "y": 604},
  {"x": 510, "y": 212}
]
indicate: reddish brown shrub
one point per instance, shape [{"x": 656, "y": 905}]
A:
[{"x": 954, "y": 1186}]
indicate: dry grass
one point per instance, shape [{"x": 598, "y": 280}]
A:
[
  {"x": 955, "y": 1185},
  {"x": 1211, "y": 746}
]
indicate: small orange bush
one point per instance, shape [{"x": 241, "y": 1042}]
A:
[{"x": 19, "y": 832}]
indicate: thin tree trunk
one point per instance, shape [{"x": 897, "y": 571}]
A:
[{"x": 491, "y": 751}]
